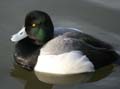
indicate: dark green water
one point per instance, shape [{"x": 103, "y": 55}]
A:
[{"x": 100, "y": 21}]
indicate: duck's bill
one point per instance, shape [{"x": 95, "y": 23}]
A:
[{"x": 19, "y": 35}]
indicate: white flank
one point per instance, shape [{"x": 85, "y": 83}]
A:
[
  {"x": 19, "y": 36},
  {"x": 67, "y": 63}
]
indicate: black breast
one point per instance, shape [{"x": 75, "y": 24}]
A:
[{"x": 26, "y": 53}]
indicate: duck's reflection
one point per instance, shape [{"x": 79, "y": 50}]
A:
[
  {"x": 98, "y": 75},
  {"x": 33, "y": 83},
  {"x": 64, "y": 79},
  {"x": 75, "y": 78},
  {"x": 102, "y": 73}
]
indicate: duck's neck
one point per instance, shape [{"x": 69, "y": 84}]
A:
[
  {"x": 49, "y": 36},
  {"x": 36, "y": 42}
]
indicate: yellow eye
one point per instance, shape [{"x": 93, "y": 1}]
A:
[{"x": 33, "y": 25}]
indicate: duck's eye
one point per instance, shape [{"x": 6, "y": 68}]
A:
[{"x": 33, "y": 25}]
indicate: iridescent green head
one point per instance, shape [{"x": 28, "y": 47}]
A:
[{"x": 39, "y": 26}]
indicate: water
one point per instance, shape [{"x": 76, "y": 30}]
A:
[{"x": 94, "y": 19}]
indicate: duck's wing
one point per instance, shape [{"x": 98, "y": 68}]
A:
[
  {"x": 99, "y": 52},
  {"x": 89, "y": 40}
]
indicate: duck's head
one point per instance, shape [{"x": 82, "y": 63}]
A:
[{"x": 38, "y": 27}]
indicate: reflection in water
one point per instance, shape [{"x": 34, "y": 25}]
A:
[
  {"x": 102, "y": 73},
  {"x": 99, "y": 74},
  {"x": 75, "y": 78},
  {"x": 31, "y": 82},
  {"x": 63, "y": 79}
]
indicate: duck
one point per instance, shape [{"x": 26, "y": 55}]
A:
[{"x": 43, "y": 48}]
